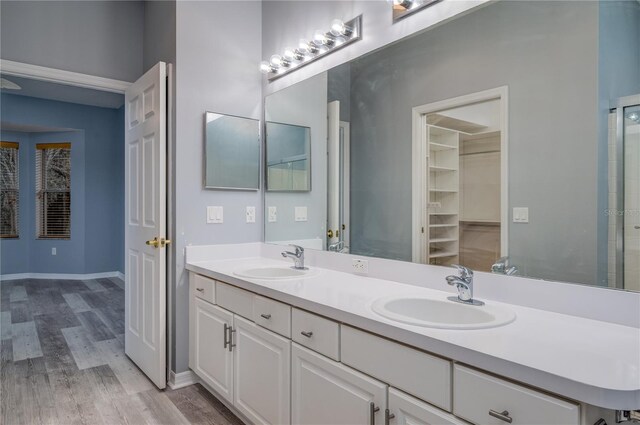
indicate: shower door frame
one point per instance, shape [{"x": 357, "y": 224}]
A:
[{"x": 619, "y": 106}]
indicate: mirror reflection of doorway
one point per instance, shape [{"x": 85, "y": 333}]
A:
[
  {"x": 338, "y": 181},
  {"x": 624, "y": 194},
  {"x": 461, "y": 181}
]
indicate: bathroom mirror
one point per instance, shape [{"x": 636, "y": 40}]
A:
[
  {"x": 232, "y": 152},
  {"x": 504, "y": 140},
  {"x": 288, "y": 149}
]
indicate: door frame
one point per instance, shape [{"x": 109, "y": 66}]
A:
[
  {"x": 94, "y": 82},
  {"x": 419, "y": 199}
]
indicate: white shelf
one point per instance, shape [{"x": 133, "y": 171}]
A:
[
  {"x": 443, "y": 213},
  {"x": 440, "y": 147},
  {"x": 441, "y": 169},
  {"x": 441, "y": 226},
  {"x": 442, "y": 240},
  {"x": 443, "y": 190},
  {"x": 443, "y": 254}
]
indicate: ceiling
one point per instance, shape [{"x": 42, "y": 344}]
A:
[{"x": 64, "y": 93}]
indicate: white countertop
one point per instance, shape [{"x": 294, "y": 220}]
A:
[{"x": 587, "y": 360}]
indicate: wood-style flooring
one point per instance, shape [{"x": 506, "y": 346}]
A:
[{"x": 63, "y": 362}]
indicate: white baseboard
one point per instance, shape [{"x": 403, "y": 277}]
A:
[
  {"x": 61, "y": 276},
  {"x": 182, "y": 379}
]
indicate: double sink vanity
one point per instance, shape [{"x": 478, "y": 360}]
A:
[{"x": 287, "y": 346}]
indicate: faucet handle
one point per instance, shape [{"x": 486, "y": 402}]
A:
[
  {"x": 465, "y": 272},
  {"x": 298, "y": 248}
]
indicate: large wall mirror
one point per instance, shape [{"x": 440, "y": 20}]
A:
[
  {"x": 288, "y": 157},
  {"x": 505, "y": 140},
  {"x": 232, "y": 152}
]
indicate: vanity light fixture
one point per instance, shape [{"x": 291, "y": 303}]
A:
[
  {"x": 404, "y": 8},
  {"x": 339, "y": 35}
]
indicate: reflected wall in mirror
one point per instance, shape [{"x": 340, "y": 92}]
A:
[
  {"x": 288, "y": 157},
  {"x": 232, "y": 152},
  {"x": 535, "y": 179}
]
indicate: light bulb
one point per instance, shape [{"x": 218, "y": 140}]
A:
[
  {"x": 277, "y": 61},
  {"x": 265, "y": 67},
  {"x": 403, "y": 3},
  {"x": 338, "y": 28},
  {"x": 320, "y": 38},
  {"x": 634, "y": 116},
  {"x": 292, "y": 54},
  {"x": 306, "y": 48}
]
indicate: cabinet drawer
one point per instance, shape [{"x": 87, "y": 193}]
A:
[
  {"x": 407, "y": 410},
  {"x": 415, "y": 372},
  {"x": 272, "y": 315},
  {"x": 476, "y": 394},
  {"x": 235, "y": 299},
  {"x": 315, "y": 332},
  {"x": 204, "y": 288}
]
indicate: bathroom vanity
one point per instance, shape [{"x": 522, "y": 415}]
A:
[{"x": 312, "y": 349}]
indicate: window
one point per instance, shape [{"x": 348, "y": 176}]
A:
[
  {"x": 53, "y": 190},
  {"x": 9, "y": 190}
]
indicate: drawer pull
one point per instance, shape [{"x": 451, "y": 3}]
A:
[
  {"x": 226, "y": 330},
  {"x": 503, "y": 416},
  {"x": 231, "y": 344},
  {"x": 307, "y": 334},
  {"x": 388, "y": 416},
  {"x": 200, "y": 289},
  {"x": 266, "y": 316},
  {"x": 372, "y": 412}
]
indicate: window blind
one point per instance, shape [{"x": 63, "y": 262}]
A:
[
  {"x": 9, "y": 189},
  {"x": 53, "y": 190}
]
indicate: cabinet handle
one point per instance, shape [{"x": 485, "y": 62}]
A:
[
  {"x": 226, "y": 331},
  {"x": 308, "y": 334},
  {"x": 388, "y": 416},
  {"x": 200, "y": 289},
  {"x": 266, "y": 316},
  {"x": 231, "y": 344},
  {"x": 372, "y": 413},
  {"x": 503, "y": 416}
]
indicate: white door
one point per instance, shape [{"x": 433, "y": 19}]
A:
[
  {"x": 262, "y": 374},
  {"x": 210, "y": 354},
  {"x": 146, "y": 215},
  {"x": 327, "y": 392},
  {"x": 407, "y": 410}
]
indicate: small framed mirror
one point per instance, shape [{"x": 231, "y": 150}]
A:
[
  {"x": 288, "y": 157},
  {"x": 232, "y": 152}
]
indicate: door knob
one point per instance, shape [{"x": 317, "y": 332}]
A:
[
  {"x": 164, "y": 242},
  {"x": 329, "y": 233},
  {"x": 154, "y": 242}
]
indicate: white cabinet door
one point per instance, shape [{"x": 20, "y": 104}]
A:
[
  {"x": 407, "y": 410},
  {"x": 262, "y": 374},
  {"x": 210, "y": 358},
  {"x": 326, "y": 392}
]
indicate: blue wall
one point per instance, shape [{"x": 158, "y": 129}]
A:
[{"x": 97, "y": 188}]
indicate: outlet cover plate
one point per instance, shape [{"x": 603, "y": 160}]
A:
[{"x": 360, "y": 266}]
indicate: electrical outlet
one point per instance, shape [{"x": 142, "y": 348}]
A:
[
  {"x": 272, "y": 214},
  {"x": 360, "y": 266},
  {"x": 54, "y": 251},
  {"x": 300, "y": 213},
  {"x": 251, "y": 214}
]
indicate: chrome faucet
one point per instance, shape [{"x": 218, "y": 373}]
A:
[
  {"x": 297, "y": 257},
  {"x": 501, "y": 266},
  {"x": 464, "y": 284}
]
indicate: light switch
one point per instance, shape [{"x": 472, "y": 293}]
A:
[
  {"x": 521, "y": 215},
  {"x": 300, "y": 213},
  {"x": 215, "y": 215},
  {"x": 272, "y": 214},
  {"x": 251, "y": 214}
]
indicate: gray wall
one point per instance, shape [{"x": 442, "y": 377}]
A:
[
  {"x": 303, "y": 104},
  {"x": 102, "y": 38},
  {"x": 159, "y": 35},
  {"x": 217, "y": 52},
  {"x": 546, "y": 53}
]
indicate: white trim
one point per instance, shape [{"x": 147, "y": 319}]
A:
[
  {"x": 59, "y": 76},
  {"x": 182, "y": 379},
  {"x": 61, "y": 276},
  {"x": 419, "y": 164}
]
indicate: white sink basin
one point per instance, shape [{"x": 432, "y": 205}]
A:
[
  {"x": 274, "y": 272},
  {"x": 443, "y": 314}
]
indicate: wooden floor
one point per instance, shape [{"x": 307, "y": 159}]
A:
[{"x": 63, "y": 361}]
